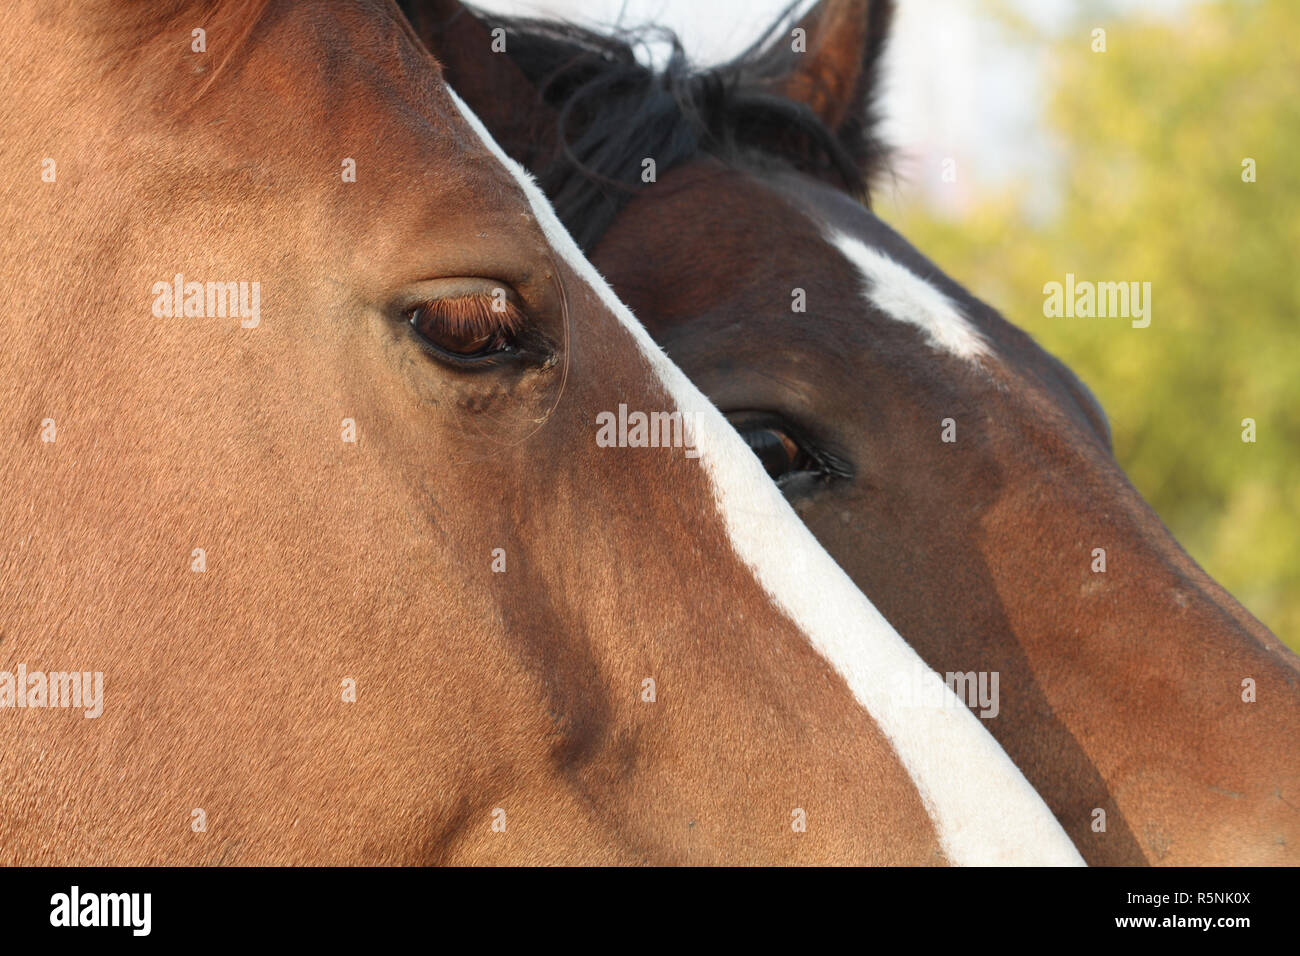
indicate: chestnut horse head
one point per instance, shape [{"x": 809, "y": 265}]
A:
[
  {"x": 961, "y": 475},
  {"x": 311, "y": 549}
]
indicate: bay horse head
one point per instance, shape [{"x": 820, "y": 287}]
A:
[
  {"x": 312, "y": 552},
  {"x": 960, "y": 474}
]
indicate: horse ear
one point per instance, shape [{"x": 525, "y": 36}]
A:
[
  {"x": 476, "y": 64},
  {"x": 829, "y": 61}
]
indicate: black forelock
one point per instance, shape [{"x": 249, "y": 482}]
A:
[{"x": 613, "y": 111}]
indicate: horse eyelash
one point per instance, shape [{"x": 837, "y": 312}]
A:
[
  {"x": 832, "y": 465},
  {"x": 828, "y": 463},
  {"x": 474, "y": 315}
]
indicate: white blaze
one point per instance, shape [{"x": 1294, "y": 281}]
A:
[{"x": 905, "y": 297}]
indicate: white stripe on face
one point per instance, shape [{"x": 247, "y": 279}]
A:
[
  {"x": 983, "y": 810},
  {"x": 905, "y": 297}
]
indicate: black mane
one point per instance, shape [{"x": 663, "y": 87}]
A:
[{"x": 614, "y": 111}]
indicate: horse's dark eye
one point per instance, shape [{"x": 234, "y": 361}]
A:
[
  {"x": 794, "y": 457},
  {"x": 466, "y": 342},
  {"x": 776, "y": 450},
  {"x": 468, "y": 330},
  {"x": 455, "y": 335},
  {"x": 780, "y": 454}
]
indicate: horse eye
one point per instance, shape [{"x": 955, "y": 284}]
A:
[
  {"x": 464, "y": 341},
  {"x": 464, "y": 330},
  {"x": 799, "y": 463},
  {"x": 780, "y": 454}
]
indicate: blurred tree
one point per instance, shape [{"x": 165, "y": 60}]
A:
[{"x": 1154, "y": 134}]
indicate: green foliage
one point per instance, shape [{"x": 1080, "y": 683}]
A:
[{"x": 1154, "y": 132}]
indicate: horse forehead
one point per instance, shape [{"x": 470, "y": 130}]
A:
[
  {"x": 894, "y": 280},
  {"x": 314, "y": 76},
  {"x": 347, "y": 70},
  {"x": 900, "y": 284},
  {"x": 786, "y": 231},
  {"x": 364, "y": 93}
]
